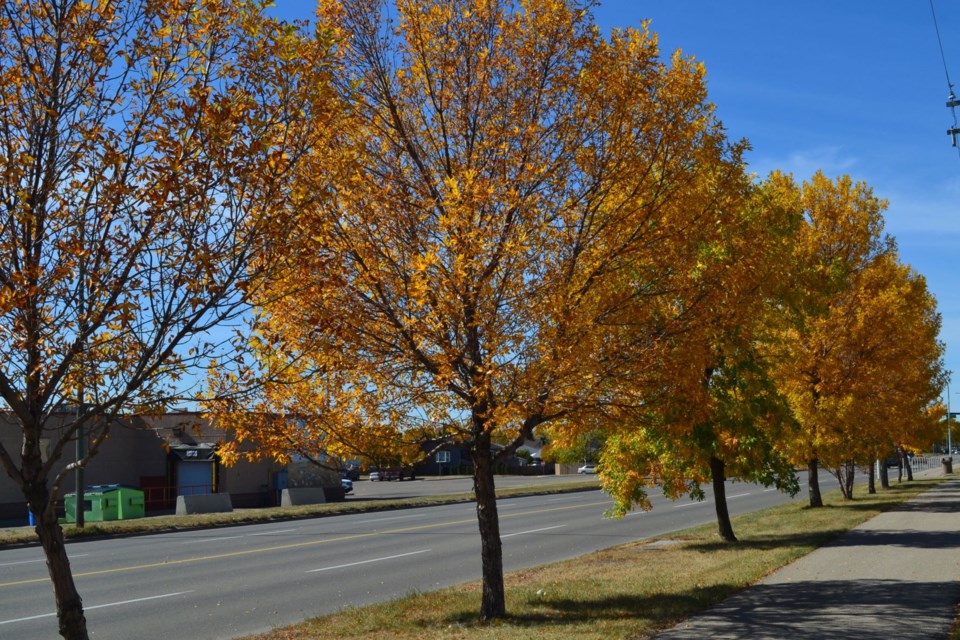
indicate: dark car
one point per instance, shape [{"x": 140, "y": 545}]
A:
[{"x": 398, "y": 473}]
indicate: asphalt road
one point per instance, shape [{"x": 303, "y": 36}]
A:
[{"x": 228, "y": 582}]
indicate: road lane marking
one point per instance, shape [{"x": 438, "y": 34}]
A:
[
  {"x": 386, "y": 519},
  {"x": 354, "y": 564},
  {"x": 163, "y": 564},
  {"x": 99, "y": 606},
  {"x": 739, "y": 495},
  {"x": 690, "y": 504},
  {"x": 523, "y": 533},
  {"x": 270, "y": 533},
  {"x": 10, "y": 564},
  {"x": 201, "y": 540}
]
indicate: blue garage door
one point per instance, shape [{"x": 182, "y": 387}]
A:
[{"x": 194, "y": 477}]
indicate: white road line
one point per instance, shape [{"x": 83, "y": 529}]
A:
[
  {"x": 354, "y": 564},
  {"x": 270, "y": 533},
  {"x": 385, "y": 519},
  {"x": 770, "y": 489},
  {"x": 690, "y": 504},
  {"x": 202, "y": 540},
  {"x": 98, "y": 606},
  {"x": 10, "y": 564},
  {"x": 523, "y": 533},
  {"x": 739, "y": 495}
]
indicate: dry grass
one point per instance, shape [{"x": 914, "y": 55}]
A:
[{"x": 626, "y": 592}]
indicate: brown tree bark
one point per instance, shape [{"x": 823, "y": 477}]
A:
[
  {"x": 845, "y": 474},
  {"x": 718, "y": 473},
  {"x": 70, "y": 617},
  {"x": 884, "y": 474},
  {"x": 908, "y": 467},
  {"x": 872, "y": 480},
  {"x": 813, "y": 483},
  {"x": 493, "y": 604}
]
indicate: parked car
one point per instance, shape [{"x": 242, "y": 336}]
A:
[
  {"x": 350, "y": 474},
  {"x": 588, "y": 468},
  {"x": 347, "y": 485},
  {"x": 375, "y": 476},
  {"x": 398, "y": 473}
]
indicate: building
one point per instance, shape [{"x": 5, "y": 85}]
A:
[{"x": 166, "y": 456}]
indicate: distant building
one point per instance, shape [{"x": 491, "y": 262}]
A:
[{"x": 166, "y": 456}]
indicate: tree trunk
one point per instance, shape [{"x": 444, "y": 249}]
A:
[
  {"x": 72, "y": 622},
  {"x": 884, "y": 474},
  {"x": 845, "y": 474},
  {"x": 493, "y": 604},
  {"x": 717, "y": 470},
  {"x": 872, "y": 479},
  {"x": 813, "y": 482},
  {"x": 908, "y": 467}
]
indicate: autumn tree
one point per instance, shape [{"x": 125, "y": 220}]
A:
[
  {"x": 890, "y": 328},
  {"x": 729, "y": 421},
  {"x": 517, "y": 190},
  {"x": 838, "y": 363},
  {"x": 145, "y": 147}
]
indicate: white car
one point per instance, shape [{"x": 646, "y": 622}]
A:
[
  {"x": 347, "y": 485},
  {"x": 588, "y": 468},
  {"x": 375, "y": 476}
]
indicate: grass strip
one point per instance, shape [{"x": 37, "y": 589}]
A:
[
  {"x": 631, "y": 591},
  {"x": 158, "y": 524}
]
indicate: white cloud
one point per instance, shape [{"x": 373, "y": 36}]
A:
[{"x": 803, "y": 163}]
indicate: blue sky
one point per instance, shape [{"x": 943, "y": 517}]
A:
[{"x": 850, "y": 87}]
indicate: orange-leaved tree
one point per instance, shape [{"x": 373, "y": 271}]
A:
[
  {"x": 886, "y": 331},
  {"x": 145, "y": 149},
  {"x": 842, "y": 235},
  {"x": 728, "y": 420},
  {"x": 514, "y": 191}
]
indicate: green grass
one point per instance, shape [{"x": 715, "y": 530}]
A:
[
  {"x": 156, "y": 524},
  {"x": 631, "y": 591}
]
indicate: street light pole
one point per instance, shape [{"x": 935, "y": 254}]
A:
[{"x": 949, "y": 418}]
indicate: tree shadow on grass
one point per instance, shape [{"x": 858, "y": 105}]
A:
[
  {"x": 803, "y": 610},
  {"x": 657, "y": 610},
  {"x": 770, "y": 541}
]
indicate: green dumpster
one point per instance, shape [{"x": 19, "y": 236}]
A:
[
  {"x": 129, "y": 503},
  {"x": 106, "y": 502}
]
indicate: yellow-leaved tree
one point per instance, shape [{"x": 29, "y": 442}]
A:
[
  {"x": 729, "y": 419},
  {"x": 145, "y": 150},
  {"x": 517, "y": 199},
  {"x": 886, "y": 342},
  {"x": 841, "y": 355}
]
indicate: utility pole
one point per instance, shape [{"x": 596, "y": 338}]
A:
[
  {"x": 81, "y": 452},
  {"x": 949, "y": 419}
]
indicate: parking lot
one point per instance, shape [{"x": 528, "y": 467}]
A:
[{"x": 363, "y": 489}]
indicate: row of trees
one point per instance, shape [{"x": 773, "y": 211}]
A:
[
  {"x": 534, "y": 229},
  {"x": 479, "y": 222}
]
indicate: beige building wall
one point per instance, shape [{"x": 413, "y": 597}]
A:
[{"x": 138, "y": 448}]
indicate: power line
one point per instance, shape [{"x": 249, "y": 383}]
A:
[{"x": 952, "y": 101}]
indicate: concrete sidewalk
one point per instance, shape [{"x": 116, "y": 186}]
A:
[{"x": 895, "y": 576}]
